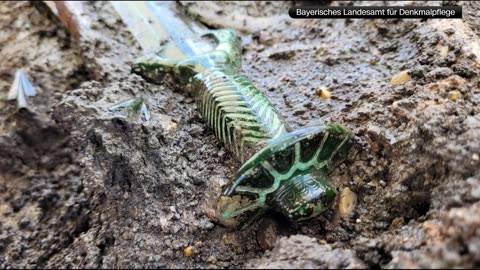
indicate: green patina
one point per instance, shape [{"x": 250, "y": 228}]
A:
[{"x": 289, "y": 172}]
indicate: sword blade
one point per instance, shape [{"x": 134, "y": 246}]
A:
[{"x": 152, "y": 23}]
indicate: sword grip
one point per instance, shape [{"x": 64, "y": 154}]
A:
[{"x": 240, "y": 115}]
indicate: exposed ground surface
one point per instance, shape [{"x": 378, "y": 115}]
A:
[{"x": 81, "y": 187}]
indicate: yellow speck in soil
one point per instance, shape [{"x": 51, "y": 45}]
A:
[
  {"x": 188, "y": 251},
  {"x": 323, "y": 93},
  {"x": 400, "y": 78},
  {"x": 454, "y": 95}
]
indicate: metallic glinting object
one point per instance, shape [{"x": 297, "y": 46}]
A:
[{"x": 20, "y": 90}]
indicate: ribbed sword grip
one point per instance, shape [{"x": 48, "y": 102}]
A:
[{"x": 240, "y": 115}]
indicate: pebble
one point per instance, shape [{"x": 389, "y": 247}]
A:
[
  {"x": 400, "y": 78},
  {"x": 212, "y": 259},
  {"x": 397, "y": 223},
  {"x": 24, "y": 223},
  {"x": 348, "y": 200},
  {"x": 323, "y": 93},
  {"x": 188, "y": 251},
  {"x": 267, "y": 234}
]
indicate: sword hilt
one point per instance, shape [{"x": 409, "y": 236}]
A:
[{"x": 282, "y": 169}]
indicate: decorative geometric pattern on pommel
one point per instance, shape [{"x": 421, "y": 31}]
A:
[{"x": 288, "y": 175}]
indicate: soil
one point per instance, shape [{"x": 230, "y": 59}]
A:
[{"x": 82, "y": 187}]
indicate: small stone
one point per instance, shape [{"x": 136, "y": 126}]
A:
[
  {"x": 167, "y": 123},
  {"x": 442, "y": 49},
  {"x": 209, "y": 201},
  {"x": 176, "y": 244},
  {"x": 267, "y": 234},
  {"x": 400, "y": 78},
  {"x": 374, "y": 132},
  {"x": 439, "y": 72},
  {"x": 348, "y": 200},
  {"x": 265, "y": 38},
  {"x": 282, "y": 55},
  {"x": 373, "y": 183},
  {"x": 153, "y": 142},
  {"x": 24, "y": 223},
  {"x": 188, "y": 251},
  {"x": 475, "y": 192},
  {"x": 475, "y": 157},
  {"x": 397, "y": 223},
  {"x": 323, "y": 93},
  {"x": 212, "y": 259}
]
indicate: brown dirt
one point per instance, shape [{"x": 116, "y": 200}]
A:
[{"x": 81, "y": 187}]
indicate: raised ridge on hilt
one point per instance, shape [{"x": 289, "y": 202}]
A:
[{"x": 282, "y": 169}]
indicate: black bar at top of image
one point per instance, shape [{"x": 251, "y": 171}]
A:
[{"x": 343, "y": 12}]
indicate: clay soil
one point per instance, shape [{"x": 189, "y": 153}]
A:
[{"x": 81, "y": 187}]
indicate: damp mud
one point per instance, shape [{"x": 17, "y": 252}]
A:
[{"x": 83, "y": 187}]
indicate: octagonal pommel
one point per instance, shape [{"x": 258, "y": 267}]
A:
[{"x": 289, "y": 175}]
